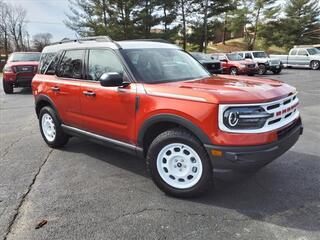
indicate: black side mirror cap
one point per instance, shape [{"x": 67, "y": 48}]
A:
[{"x": 112, "y": 79}]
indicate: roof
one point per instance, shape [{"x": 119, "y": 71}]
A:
[
  {"x": 106, "y": 42},
  {"x": 249, "y": 51}
]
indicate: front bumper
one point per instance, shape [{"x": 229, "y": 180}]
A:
[
  {"x": 253, "y": 157},
  {"x": 19, "y": 80}
]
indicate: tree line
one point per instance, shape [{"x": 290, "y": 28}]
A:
[
  {"x": 198, "y": 22},
  {"x": 194, "y": 24},
  {"x": 13, "y": 31}
]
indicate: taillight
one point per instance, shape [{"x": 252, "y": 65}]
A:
[{"x": 7, "y": 69}]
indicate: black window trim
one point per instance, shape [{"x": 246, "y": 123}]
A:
[{"x": 117, "y": 53}]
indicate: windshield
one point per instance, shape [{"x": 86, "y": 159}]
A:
[
  {"x": 163, "y": 65},
  {"x": 201, "y": 56},
  {"x": 313, "y": 51},
  {"x": 24, "y": 57},
  {"x": 260, "y": 55},
  {"x": 234, "y": 57}
]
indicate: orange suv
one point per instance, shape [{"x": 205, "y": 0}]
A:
[{"x": 156, "y": 101}]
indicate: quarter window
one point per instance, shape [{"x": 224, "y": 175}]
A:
[
  {"x": 71, "y": 64},
  {"x": 103, "y": 61}
]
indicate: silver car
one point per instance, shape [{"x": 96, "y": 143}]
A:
[{"x": 301, "y": 57}]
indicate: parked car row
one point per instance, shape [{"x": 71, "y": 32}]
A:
[{"x": 237, "y": 63}]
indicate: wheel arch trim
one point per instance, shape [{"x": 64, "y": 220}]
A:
[{"x": 197, "y": 131}]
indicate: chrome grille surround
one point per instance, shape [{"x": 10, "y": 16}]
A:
[{"x": 284, "y": 111}]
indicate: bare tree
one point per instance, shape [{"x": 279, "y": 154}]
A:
[
  {"x": 16, "y": 25},
  {"x": 4, "y": 29},
  {"x": 41, "y": 40}
]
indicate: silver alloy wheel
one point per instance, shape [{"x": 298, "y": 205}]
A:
[
  {"x": 179, "y": 165},
  {"x": 261, "y": 69},
  {"x": 48, "y": 127},
  {"x": 315, "y": 65}
]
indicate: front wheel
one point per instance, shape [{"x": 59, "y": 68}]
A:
[
  {"x": 277, "y": 71},
  {"x": 179, "y": 164},
  {"x": 7, "y": 87},
  {"x": 262, "y": 69},
  {"x": 50, "y": 127},
  {"x": 315, "y": 65}
]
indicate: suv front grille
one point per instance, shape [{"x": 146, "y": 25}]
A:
[{"x": 24, "y": 69}]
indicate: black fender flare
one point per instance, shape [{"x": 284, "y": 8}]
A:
[
  {"x": 45, "y": 98},
  {"x": 197, "y": 131}
]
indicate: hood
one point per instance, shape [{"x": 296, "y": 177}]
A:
[
  {"x": 27, "y": 63},
  {"x": 223, "y": 89},
  {"x": 246, "y": 62},
  {"x": 208, "y": 61}
]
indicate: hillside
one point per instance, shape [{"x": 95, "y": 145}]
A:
[{"x": 239, "y": 45}]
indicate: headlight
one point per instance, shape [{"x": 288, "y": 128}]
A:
[
  {"x": 7, "y": 69},
  {"x": 251, "y": 117}
]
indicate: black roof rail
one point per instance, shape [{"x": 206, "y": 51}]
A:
[{"x": 95, "y": 38}]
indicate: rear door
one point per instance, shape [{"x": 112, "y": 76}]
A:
[
  {"x": 64, "y": 85},
  {"x": 107, "y": 111}
]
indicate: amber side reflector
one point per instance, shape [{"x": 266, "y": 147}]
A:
[{"x": 216, "y": 153}]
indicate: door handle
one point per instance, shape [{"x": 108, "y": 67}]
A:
[
  {"x": 89, "y": 93},
  {"x": 55, "y": 89}
]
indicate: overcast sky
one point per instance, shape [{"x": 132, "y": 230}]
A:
[{"x": 46, "y": 16}]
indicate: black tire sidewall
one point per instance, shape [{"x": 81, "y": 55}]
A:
[
  {"x": 7, "y": 87},
  {"x": 207, "y": 174},
  {"x": 264, "y": 71},
  {"x": 313, "y": 63},
  {"x": 60, "y": 138}
]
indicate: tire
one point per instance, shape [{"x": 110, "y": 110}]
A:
[
  {"x": 50, "y": 128},
  {"x": 233, "y": 71},
  {"x": 190, "y": 164},
  {"x": 251, "y": 74},
  {"x": 315, "y": 65},
  {"x": 276, "y": 71},
  {"x": 7, "y": 87},
  {"x": 262, "y": 69}
]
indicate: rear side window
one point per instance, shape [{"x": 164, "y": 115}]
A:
[
  {"x": 103, "y": 61},
  {"x": 71, "y": 64},
  {"x": 45, "y": 61},
  {"x": 293, "y": 51},
  {"x": 248, "y": 55},
  {"x": 51, "y": 70}
]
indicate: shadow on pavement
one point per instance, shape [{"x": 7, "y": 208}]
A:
[{"x": 284, "y": 193}]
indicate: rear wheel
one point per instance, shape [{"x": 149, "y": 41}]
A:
[
  {"x": 262, "y": 69},
  {"x": 7, "y": 87},
  {"x": 179, "y": 165},
  {"x": 234, "y": 71},
  {"x": 315, "y": 65},
  {"x": 50, "y": 127}
]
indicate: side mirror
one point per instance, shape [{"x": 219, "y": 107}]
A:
[{"x": 111, "y": 79}]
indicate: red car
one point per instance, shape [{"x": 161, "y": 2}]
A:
[
  {"x": 19, "y": 70},
  {"x": 234, "y": 64},
  {"x": 154, "y": 100}
]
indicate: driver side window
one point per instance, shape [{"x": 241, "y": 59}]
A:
[{"x": 103, "y": 61}]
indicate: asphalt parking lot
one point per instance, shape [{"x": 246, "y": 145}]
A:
[{"x": 87, "y": 191}]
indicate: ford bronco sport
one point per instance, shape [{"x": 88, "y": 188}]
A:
[
  {"x": 19, "y": 70},
  {"x": 154, "y": 100}
]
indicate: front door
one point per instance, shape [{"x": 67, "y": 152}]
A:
[{"x": 107, "y": 111}]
